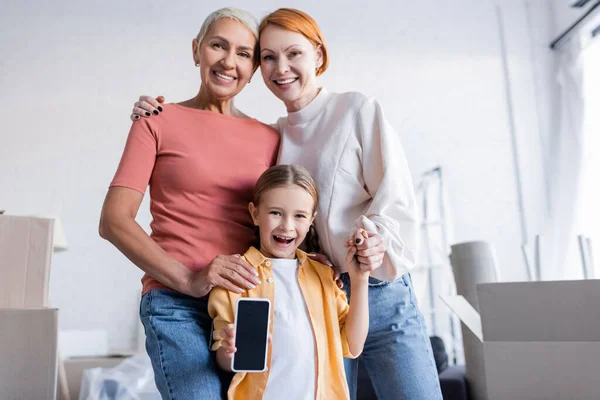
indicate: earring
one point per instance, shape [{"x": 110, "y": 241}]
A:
[
  {"x": 196, "y": 64},
  {"x": 249, "y": 80}
]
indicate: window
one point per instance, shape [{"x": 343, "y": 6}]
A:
[{"x": 588, "y": 210}]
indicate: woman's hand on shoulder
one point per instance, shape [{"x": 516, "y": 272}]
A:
[
  {"x": 146, "y": 106},
  {"x": 229, "y": 272}
]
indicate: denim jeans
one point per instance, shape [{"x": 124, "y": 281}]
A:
[
  {"x": 178, "y": 330},
  {"x": 397, "y": 353}
]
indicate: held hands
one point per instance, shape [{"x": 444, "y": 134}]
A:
[
  {"x": 146, "y": 106},
  {"x": 370, "y": 249},
  {"x": 229, "y": 272},
  {"x": 354, "y": 268}
]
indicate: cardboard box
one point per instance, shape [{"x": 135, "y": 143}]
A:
[
  {"x": 25, "y": 254},
  {"x": 28, "y": 362},
  {"x": 541, "y": 339},
  {"x": 28, "y": 330}
]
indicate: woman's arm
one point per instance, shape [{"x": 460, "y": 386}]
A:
[
  {"x": 392, "y": 212},
  {"x": 118, "y": 226}
]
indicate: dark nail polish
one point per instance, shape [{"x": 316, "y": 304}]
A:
[
  {"x": 155, "y": 112},
  {"x": 357, "y": 241},
  {"x": 160, "y": 108},
  {"x": 148, "y": 114},
  {"x": 137, "y": 117}
]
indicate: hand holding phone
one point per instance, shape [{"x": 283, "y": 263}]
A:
[
  {"x": 228, "y": 340},
  {"x": 251, "y": 337}
]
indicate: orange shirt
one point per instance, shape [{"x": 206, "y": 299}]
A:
[
  {"x": 327, "y": 310},
  {"x": 201, "y": 167}
]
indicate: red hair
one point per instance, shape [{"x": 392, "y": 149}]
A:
[{"x": 297, "y": 21}]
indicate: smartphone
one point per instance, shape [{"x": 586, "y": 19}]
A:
[{"x": 252, "y": 320}]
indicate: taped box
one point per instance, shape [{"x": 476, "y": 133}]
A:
[{"x": 541, "y": 340}]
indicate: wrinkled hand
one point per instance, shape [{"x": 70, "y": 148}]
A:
[
  {"x": 370, "y": 249},
  {"x": 322, "y": 258},
  {"x": 229, "y": 272},
  {"x": 146, "y": 106}
]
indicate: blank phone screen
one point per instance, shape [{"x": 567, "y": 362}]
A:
[{"x": 252, "y": 328}]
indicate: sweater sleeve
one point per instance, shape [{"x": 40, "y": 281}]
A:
[{"x": 392, "y": 212}]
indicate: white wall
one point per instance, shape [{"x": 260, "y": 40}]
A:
[{"x": 456, "y": 78}]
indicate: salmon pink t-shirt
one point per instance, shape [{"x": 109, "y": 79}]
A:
[{"x": 201, "y": 167}]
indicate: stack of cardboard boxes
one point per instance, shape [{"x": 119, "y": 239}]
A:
[{"x": 28, "y": 327}]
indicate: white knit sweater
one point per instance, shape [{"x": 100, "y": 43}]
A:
[{"x": 358, "y": 162}]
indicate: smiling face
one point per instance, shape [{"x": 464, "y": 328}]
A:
[
  {"x": 288, "y": 64},
  {"x": 225, "y": 55},
  {"x": 283, "y": 216}
]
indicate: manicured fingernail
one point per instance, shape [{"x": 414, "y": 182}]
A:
[
  {"x": 160, "y": 108},
  {"x": 255, "y": 272},
  {"x": 155, "y": 112},
  {"x": 136, "y": 117},
  {"x": 358, "y": 240},
  {"x": 147, "y": 114},
  {"x": 251, "y": 286}
]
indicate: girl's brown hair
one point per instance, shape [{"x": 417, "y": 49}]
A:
[
  {"x": 300, "y": 22},
  {"x": 290, "y": 175}
]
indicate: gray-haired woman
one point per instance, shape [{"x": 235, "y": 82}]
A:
[{"x": 201, "y": 159}]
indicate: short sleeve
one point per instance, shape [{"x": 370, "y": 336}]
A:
[{"x": 139, "y": 157}]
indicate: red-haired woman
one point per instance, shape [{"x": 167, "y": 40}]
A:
[{"x": 358, "y": 162}]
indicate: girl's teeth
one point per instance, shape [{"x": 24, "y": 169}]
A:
[{"x": 283, "y": 239}]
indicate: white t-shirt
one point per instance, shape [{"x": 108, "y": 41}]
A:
[
  {"x": 357, "y": 160},
  {"x": 292, "y": 375}
]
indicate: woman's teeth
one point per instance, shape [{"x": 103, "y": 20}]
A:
[
  {"x": 286, "y": 81},
  {"x": 227, "y": 78}
]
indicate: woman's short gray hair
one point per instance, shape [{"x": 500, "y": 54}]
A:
[{"x": 236, "y": 14}]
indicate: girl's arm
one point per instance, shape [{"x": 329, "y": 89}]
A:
[{"x": 357, "y": 320}]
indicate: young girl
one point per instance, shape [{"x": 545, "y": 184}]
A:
[{"x": 312, "y": 325}]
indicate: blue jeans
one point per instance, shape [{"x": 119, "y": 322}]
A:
[
  {"x": 397, "y": 353},
  {"x": 178, "y": 330}
]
